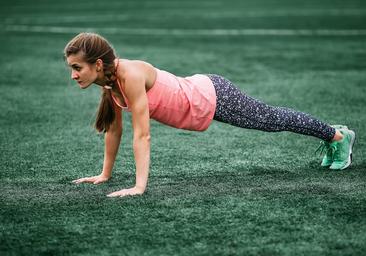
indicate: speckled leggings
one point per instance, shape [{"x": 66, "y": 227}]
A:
[{"x": 236, "y": 108}]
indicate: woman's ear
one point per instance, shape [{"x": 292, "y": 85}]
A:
[{"x": 99, "y": 65}]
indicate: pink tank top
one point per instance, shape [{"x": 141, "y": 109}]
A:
[{"x": 186, "y": 103}]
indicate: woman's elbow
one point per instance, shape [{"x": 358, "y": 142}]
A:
[{"x": 145, "y": 137}]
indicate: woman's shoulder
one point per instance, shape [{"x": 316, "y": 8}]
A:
[
  {"x": 137, "y": 68},
  {"x": 134, "y": 65}
]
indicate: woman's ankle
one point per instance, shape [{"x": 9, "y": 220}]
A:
[{"x": 337, "y": 136}]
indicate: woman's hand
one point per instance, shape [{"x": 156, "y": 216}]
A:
[
  {"x": 127, "y": 192},
  {"x": 95, "y": 179}
]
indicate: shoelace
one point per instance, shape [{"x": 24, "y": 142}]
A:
[
  {"x": 326, "y": 147},
  {"x": 336, "y": 153}
]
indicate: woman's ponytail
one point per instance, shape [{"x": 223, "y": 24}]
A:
[{"x": 105, "y": 114}]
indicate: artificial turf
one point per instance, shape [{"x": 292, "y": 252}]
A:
[{"x": 226, "y": 191}]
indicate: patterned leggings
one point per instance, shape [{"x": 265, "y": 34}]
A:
[{"x": 236, "y": 108}]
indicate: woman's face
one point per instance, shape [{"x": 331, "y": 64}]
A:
[{"x": 82, "y": 72}]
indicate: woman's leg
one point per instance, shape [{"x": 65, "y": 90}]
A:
[{"x": 236, "y": 108}]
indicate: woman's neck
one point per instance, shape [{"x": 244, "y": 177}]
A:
[{"x": 101, "y": 81}]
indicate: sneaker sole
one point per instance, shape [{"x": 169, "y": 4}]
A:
[
  {"x": 350, "y": 149},
  {"x": 328, "y": 165}
]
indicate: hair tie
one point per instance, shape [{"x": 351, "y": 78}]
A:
[{"x": 107, "y": 87}]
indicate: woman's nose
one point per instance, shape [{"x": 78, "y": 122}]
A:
[{"x": 74, "y": 75}]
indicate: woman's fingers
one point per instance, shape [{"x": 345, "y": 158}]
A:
[
  {"x": 121, "y": 193},
  {"x": 95, "y": 180},
  {"x": 114, "y": 194},
  {"x": 82, "y": 180},
  {"x": 126, "y": 192},
  {"x": 76, "y": 181}
]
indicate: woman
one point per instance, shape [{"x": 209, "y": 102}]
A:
[{"x": 187, "y": 103}]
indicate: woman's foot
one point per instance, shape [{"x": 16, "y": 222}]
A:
[
  {"x": 338, "y": 153},
  {"x": 342, "y": 156},
  {"x": 326, "y": 146}
]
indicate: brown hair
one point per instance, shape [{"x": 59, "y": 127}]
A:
[{"x": 94, "y": 47}]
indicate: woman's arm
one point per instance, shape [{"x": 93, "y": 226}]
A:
[
  {"x": 138, "y": 102},
  {"x": 112, "y": 140}
]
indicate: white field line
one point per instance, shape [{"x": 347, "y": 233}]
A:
[
  {"x": 187, "y": 32},
  {"x": 238, "y": 14}
]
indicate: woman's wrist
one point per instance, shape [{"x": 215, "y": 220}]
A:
[
  {"x": 107, "y": 175},
  {"x": 140, "y": 189}
]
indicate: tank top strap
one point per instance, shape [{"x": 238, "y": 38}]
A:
[{"x": 121, "y": 90}]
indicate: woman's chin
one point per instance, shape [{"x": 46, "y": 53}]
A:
[{"x": 83, "y": 85}]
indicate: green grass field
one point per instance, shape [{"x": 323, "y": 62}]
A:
[{"x": 227, "y": 191}]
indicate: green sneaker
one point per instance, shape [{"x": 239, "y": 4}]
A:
[
  {"x": 328, "y": 156},
  {"x": 326, "y": 147},
  {"x": 342, "y": 156}
]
